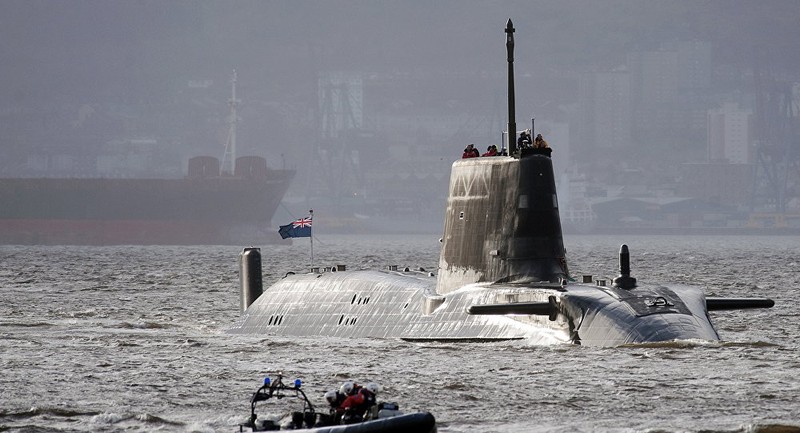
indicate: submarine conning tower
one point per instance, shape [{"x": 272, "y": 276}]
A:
[{"x": 502, "y": 223}]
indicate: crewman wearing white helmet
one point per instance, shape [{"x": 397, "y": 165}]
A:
[
  {"x": 334, "y": 417},
  {"x": 359, "y": 402},
  {"x": 348, "y": 388},
  {"x": 373, "y": 388}
]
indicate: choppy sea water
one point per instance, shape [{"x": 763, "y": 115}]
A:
[{"x": 133, "y": 339}]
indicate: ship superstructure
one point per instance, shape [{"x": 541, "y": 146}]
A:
[{"x": 205, "y": 207}]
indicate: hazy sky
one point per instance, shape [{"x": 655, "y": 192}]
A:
[
  {"x": 140, "y": 55},
  {"x": 80, "y": 48},
  {"x": 133, "y": 59}
]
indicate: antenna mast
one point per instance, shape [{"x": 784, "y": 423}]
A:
[
  {"x": 512, "y": 122},
  {"x": 229, "y": 157}
]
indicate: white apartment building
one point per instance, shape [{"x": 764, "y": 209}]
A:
[{"x": 729, "y": 134}]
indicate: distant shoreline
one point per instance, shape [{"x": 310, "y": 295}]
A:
[{"x": 696, "y": 231}]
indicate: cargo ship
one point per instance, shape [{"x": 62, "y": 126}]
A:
[
  {"x": 217, "y": 203},
  {"x": 208, "y": 206}
]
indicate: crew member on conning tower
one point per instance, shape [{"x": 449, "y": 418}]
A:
[
  {"x": 524, "y": 140},
  {"x": 539, "y": 142},
  {"x": 470, "y": 152}
]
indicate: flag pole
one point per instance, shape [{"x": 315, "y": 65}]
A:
[{"x": 311, "y": 213}]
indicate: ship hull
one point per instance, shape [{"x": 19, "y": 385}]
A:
[
  {"x": 378, "y": 304},
  {"x": 405, "y": 305},
  {"x": 101, "y": 211},
  {"x": 131, "y": 232}
]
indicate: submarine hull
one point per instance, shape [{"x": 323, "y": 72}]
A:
[
  {"x": 405, "y": 305},
  {"x": 381, "y": 304}
]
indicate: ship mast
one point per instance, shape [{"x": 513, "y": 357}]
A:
[
  {"x": 229, "y": 157},
  {"x": 512, "y": 117}
]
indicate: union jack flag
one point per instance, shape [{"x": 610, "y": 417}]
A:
[{"x": 301, "y": 223}]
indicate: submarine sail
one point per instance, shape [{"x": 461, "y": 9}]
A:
[
  {"x": 502, "y": 223},
  {"x": 502, "y": 275}
]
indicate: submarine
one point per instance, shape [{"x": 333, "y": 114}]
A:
[{"x": 502, "y": 275}]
